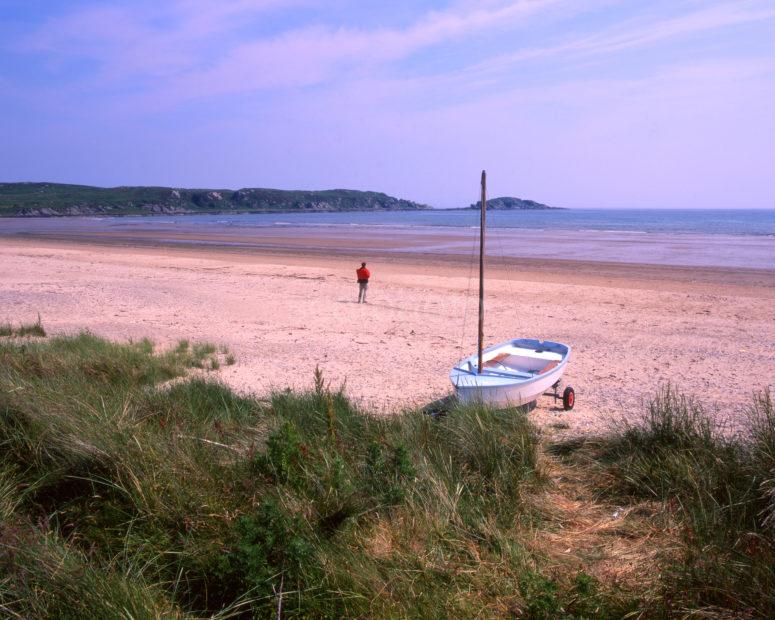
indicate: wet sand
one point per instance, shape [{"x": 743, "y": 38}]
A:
[
  {"x": 266, "y": 234},
  {"x": 284, "y": 310}
]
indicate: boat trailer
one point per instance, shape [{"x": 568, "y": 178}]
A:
[{"x": 568, "y": 395}]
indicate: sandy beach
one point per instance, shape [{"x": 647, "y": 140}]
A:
[{"x": 633, "y": 328}]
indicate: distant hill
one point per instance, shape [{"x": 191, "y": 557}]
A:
[
  {"x": 506, "y": 203},
  {"x": 56, "y": 199}
]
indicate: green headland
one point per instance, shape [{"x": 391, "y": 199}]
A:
[{"x": 57, "y": 199}]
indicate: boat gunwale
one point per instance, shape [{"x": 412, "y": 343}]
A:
[{"x": 494, "y": 379}]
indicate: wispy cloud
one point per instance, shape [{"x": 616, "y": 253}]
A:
[
  {"x": 314, "y": 55},
  {"x": 636, "y": 34},
  {"x": 185, "y": 40},
  {"x": 145, "y": 39},
  {"x": 221, "y": 92},
  {"x": 189, "y": 49}
]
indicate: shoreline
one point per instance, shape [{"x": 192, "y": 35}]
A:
[
  {"x": 499, "y": 268},
  {"x": 400, "y": 236}
]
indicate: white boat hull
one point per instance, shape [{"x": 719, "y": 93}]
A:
[{"x": 515, "y": 373}]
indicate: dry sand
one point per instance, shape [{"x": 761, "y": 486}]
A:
[{"x": 633, "y": 328}]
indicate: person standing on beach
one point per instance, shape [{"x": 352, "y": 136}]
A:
[{"x": 363, "y": 282}]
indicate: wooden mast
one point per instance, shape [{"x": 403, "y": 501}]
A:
[{"x": 481, "y": 268}]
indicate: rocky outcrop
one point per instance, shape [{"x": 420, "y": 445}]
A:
[{"x": 507, "y": 203}]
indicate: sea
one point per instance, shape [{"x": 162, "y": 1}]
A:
[{"x": 735, "y": 238}]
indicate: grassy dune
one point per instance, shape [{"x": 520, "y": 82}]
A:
[{"x": 130, "y": 488}]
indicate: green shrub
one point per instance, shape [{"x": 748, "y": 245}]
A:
[
  {"x": 541, "y": 597},
  {"x": 283, "y": 458},
  {"x": 387, "y": 471},
  {"x": 268, "y": 551}
]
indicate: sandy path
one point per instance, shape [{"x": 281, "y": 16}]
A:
[{"x": 632, "y": 329}]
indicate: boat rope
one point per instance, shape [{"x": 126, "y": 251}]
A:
[
  {"x": 509, "y": 266},
  {"x": 472, "y": 261}
]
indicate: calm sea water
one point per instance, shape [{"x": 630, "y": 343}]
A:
[
  {"x": 682, "y": 221},
  {"x": 705, "y": 221}
]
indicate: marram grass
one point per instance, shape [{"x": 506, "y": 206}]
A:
[
  {"x": 124, "y": 494},
  {"x": 7, "y": 329}
]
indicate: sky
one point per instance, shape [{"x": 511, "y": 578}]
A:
[{"x": 574, "y": 103}]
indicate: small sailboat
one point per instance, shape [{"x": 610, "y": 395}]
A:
[{"x": 512, "y": 373}]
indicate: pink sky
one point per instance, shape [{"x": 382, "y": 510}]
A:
[{"x": 601, "y": 103}]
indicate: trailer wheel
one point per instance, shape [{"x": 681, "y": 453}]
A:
[{"x": 568, "y": 398}]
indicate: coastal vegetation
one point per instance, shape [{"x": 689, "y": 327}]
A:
[
  {"x": 506, "y": 203},
  {"x": 58, "y": 199},
  {"x": 134, "y": 484},
  {"x": 24, "y": 329}
]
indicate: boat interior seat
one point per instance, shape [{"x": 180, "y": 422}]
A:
[
  {"x": 503, "y": 359},
  {"x": 550, "y": 366},
  {"x": 498, "y": 359}
]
